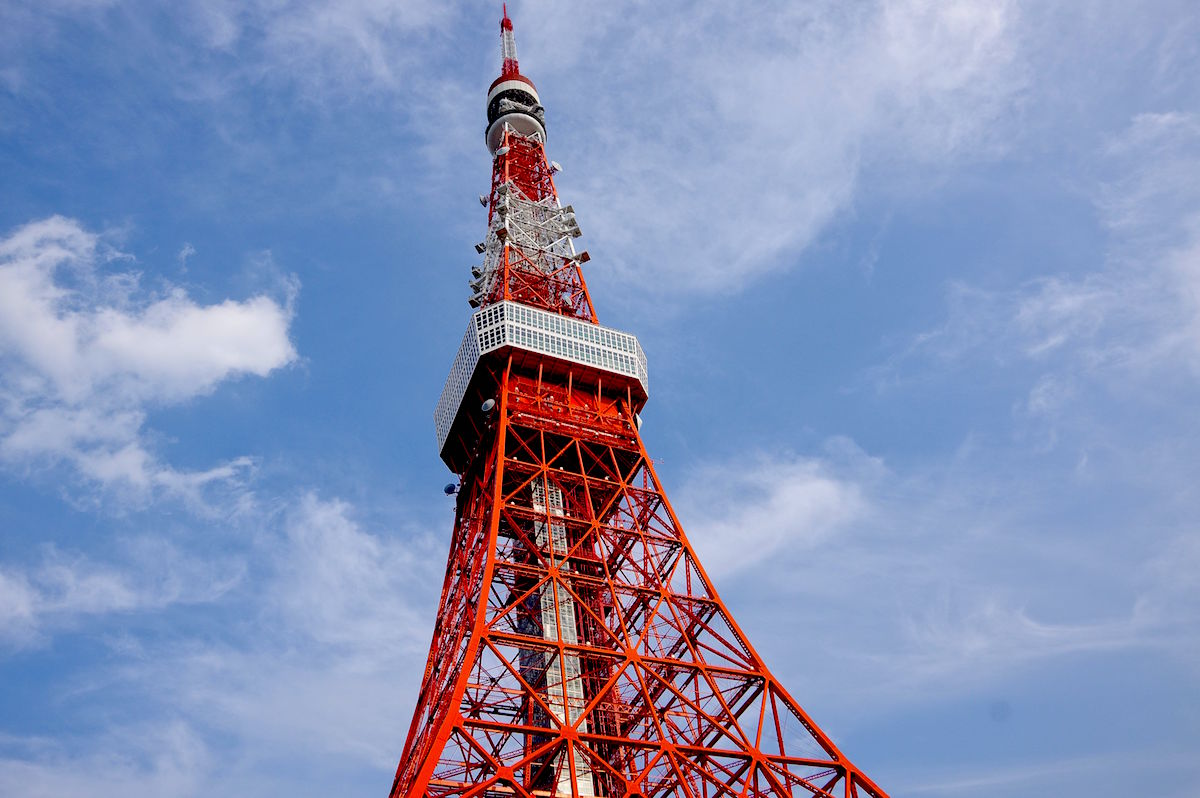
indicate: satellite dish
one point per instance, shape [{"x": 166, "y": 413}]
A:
[
  {"x": 502, "y": 151},
  {"x": 637, "y": 421},
  {"x": 555, "y": 166},
  {"x": 483, "y": 200},
  {"x": 450, "y": 489},
  {"x": 480, "y": 247},
  {"x": 488, "y": 405}
]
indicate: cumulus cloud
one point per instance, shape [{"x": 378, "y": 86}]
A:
[{"x": 86, "y": 351}]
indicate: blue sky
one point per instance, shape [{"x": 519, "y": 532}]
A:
[{"x": 920, "y": 287}]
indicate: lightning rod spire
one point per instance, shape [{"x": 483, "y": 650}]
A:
[{"x": 508, "y": 47}]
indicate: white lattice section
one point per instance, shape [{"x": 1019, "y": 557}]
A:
[
  {"x": 456, "y": 383},
  {"x": 537, "y": 226},
  {"x": 558, "y": 614},
  {"x": 542, "y": 231},
  {"x": 536, "y": 330}
]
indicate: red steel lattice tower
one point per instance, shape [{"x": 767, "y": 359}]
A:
[{"x": 580, "y": 649}]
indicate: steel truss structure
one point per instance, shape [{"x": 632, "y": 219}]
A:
[
  {"x": 580, "y": 649},
  {"x": 530, "y": 256}
]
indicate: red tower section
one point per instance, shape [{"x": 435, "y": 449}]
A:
[{"x": 580, "y": 649}]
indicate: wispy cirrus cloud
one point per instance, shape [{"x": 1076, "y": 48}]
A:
[
  {"x": 63, "y": 590},
  {"x": 317, "y": 666},
  {"x": 85, "y": 352},
  {"x": 954, "y": 646},
  {"x": 952, "y": 577},
  {"x": 1130, "y": 323},
  {"x": 783, "y": 107},
  {"x": 147, "y": 759},
  {"x": 912, "y": 587},
  {"x": 322, "y": 667},
  {"x": 1107, "y": 774},
  {"x": 747, "y": 513}
]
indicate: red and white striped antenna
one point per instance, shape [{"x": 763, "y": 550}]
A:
[{"x": 508, "y": 46}]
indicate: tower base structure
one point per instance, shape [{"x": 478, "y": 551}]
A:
[{"x": 580, "y": 648}]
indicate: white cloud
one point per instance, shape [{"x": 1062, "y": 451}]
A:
[
  {"x": 744, "y": 513},
  {"x": 1040, "y": 322},
  {"x": 886, "y": 589},
  {"x": 1097, "y": 358},
  {"x": 160, "y": 760},
  {"x": 346, "y": 587},
  {"x": 708, "y": 145},
  {"x": 1098, "y": 775},
  {"x": 1153, "y": 205},
  {"x": 315, "y": 662},
  {"x": 185, "y": 252},
  {"x": 1134, "y": 317},
  {"x": 64, "y": 589},
  {"x": 986, "y": 640},
  {"x": 1173, "y": 592},
  {"x": 340, "y": 43},
  {"x": 1155, "y": 159},
  {"x": 85, "y": 352},
  {"x": 1102, "y": 365},
  {"x": 715, "y": 144},
  {"x": 326, "y": 664}
]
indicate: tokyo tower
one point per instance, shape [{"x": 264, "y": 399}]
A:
[{"x": 580, "y": 649}]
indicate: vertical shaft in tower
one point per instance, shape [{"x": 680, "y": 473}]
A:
[{"x": 564, "y": 677}]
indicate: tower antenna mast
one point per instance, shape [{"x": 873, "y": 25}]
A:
[{"x": 508, "y": 47}]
